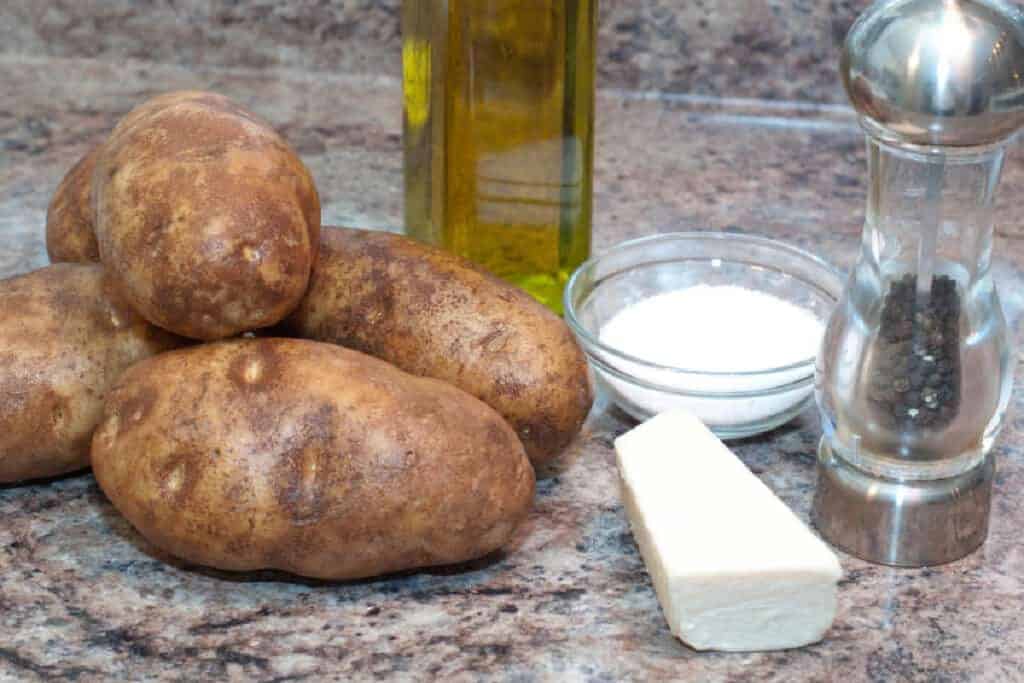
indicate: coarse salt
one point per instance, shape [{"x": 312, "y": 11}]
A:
[{"x": 712, "y": 329}]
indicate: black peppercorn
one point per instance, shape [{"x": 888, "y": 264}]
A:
[{"x": 916, "y": 377}]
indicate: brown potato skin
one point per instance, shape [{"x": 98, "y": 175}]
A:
[
  {"x": 70, "y": 228},
  {"x": 205, "y": 216},
  {"x": 65, "y": 336},
  {"x": 308, "y": 458},
  {"x": 435, "y": 315}
]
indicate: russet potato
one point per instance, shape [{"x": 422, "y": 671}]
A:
[
  {"x": 65, "y": 336},
  {"x": 309, "y": 458},
  {"x": 204, "y": 216},
  {"x": 435, "y": 315},
  {"x": 70, "y": 228}
]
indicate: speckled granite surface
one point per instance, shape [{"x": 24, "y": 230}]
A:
[
  {"x": 778, "y": 49},
  {"x": 83, "y": 597}
]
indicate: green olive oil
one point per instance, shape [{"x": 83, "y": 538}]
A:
[{"x": 499, "y": 126}]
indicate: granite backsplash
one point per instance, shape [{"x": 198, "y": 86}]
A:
[{"x": 765, "y": 49}]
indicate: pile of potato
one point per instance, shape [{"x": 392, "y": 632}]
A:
[{"x": 252, "y": 392}]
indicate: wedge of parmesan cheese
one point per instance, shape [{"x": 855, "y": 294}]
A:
[{"x": 733, "y": 567}]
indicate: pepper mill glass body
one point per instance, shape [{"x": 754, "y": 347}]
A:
[
  {"x": 915, "y": 370},
  {"x": 499, "y": 119}
]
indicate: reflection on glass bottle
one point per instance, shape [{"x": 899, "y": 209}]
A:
[{"x": 499, "y": 99}]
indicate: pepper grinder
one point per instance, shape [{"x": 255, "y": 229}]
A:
[{"x": 915, "y": 370}]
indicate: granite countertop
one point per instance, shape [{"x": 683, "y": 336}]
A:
[{"x": 84, "y": 597}]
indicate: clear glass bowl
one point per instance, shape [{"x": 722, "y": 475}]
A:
[{"x": 638, "y": 269}]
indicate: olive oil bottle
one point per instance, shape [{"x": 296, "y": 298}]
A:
[{"x": 499, "y": 128}]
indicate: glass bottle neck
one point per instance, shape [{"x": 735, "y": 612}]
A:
[{"x": 931, "y": 212}]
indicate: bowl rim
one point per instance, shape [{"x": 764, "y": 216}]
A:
[{"x": 590, "y": 341}]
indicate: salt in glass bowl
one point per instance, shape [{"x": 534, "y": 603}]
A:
[{"x": 731, "y": 404}]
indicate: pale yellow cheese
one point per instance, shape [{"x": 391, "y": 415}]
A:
[{"x": 733, "y": 567}]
